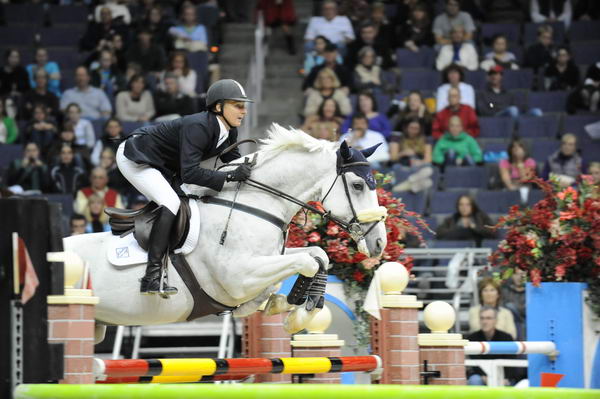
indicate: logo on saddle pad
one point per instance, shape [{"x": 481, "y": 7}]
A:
[{"x": 122, "y": 252}]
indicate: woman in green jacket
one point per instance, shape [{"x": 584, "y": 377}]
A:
[
  {"x": 8, "y": 128},
  {"x": 456, "y": 147}
]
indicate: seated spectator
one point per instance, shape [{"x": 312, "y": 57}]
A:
[
  {"x": 368, "y": 38},
  {"x": 317, "y": 55},
  {"x": 66, "y": 177},
  {"x": 325, "y": 131},
  {"x": 179, "y": 66},
  {"x": 118, "y": 11},
  {"x": 411, "y": 148},
  {"x": 41, "y": 129},
  {"x": 280, "y": 13},
  {"x": 513, "y": 299},
  {"x": 97, "y": 220},
  {"x": 84, "y": 131},
  {"x": 541, "y": 53},
  {"x": 587, "y": 97},
  {"x": 355, "y": 10},
  {"x": 594, "y": 171},
  {"x": 488, "y": 319},
  {"x": 331, "y": 62},
  {"x": 459, "y": 51},
  {"x": 489, "y": 295},
  {"x": 367, "y": 75},
  {"x": 29, "y": 173},
  {"x": 361, "y": 137},
  {"x": 39, "y": 95},
  {"x": 149, "y": 55},
  {"x": 189, "y": 35},
  {"x": 154, "y": 20},
  {"x": 99, "y": 186},
  {"x": 544, "y": 11},
  {"x": 92, "y": 101},
  {"x": 507, "y": 11},
  {"x": 499, "y": 56},
  {"x": 77, "y": 224},
  {"x": 385, "y": 29},
  {"x": 67, "y": 137},
  {"x": 367, "y": 105},
  {"x": 416, "y": 31},
  {"x": 518, "y": 168},
  {"x": 468, "y": 223},
  {"x": 327, "y": 85},
  {"x": 466, "y": 114},
  {"x": 100, "y": 32},
  {"x": 456, "y": 147},
  {"x": 453, "y": 76},
  {"x": 495, "y": 100},
  {"x": 171, "y": 103},
  {"x": 9, "y": 131},
  {"x": 414, "y": 107},
  {"x": 105, "y": 74},
  {"x": 135, "y": 104},
  {"x": 13, "y": 76},
  {"x": 329, "y": 112},
  {"x": 562, "y": 73},
  {"x": 565, "y": 165},
  {"x": 336, "y": 28},
  {"x": 586, "y": 10},
  {"x": 111, "y": 138},
  {"x": 41, "y": 62},
  {"x": 453, "y": 16},
  {"x": 116, "y": 180}
]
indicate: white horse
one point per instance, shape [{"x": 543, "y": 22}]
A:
[{"x": 245, "y": 271}]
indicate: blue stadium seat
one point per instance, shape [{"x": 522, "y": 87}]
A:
[
  {"x": 542, "y": 149},
  {"x": 477, "y": 79},
  {"x": 24, "y": 14},
  {"x": 511, "y": 31},
  {"x": 391, "y": 10},
  {"x": 17, "y": 35},
  {"x": 530, "y": 32},
  {"x": 549, "y": 101},
  {"x": 420, "y": 79},
  {"x": 65, "y": 57},
  {"x": 451, "y": 244},
  {"x": 65, "y": 200},
  {"x": 68, "y": 14},
  {"x": 424, "y": 58},
  {"x": 444, "y": 201},
  {"x": 586, "y": 53},
  {"x": 465, "y": 177},
  {"x": 494, "y": 146},
  {"x": 413, "y": 202},
  {"x": 576, "y": 124},
  {"x": 98, "y": 125},
  {"x": 490, "y": 243},
  {"x": 520, "y": 97},
  {"x": 10, "y": 152},
  {"x": 538, "y": 126},
  {"x": 535, "y": 196},
  {"x": 68, "y": 36},
  {"x": 199, "y": 62},
  {"x": 129, "y": 127},
  {"x": 584, "y": 30},
  {"x": 497, "y": 201},
  {"x": 67, "y": 78},
  {"x": 496, "y": 126},
  {"x": 518, "y": 78}
]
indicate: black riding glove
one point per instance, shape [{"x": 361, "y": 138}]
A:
[{"x": 241, "y": 173}]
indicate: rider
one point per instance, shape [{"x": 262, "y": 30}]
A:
[{"x": 171, "y": 151}]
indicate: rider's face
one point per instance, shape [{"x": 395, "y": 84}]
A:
[{"x": 234, "y": 112}]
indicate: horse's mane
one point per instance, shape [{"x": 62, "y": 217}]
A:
[{"x": 280, "y": 139}]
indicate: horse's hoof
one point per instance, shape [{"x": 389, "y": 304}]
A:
[
  {"x": 298, "y": 319},
  {"x": 276, "y": 304}
]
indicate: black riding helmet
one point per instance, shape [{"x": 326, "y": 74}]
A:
[{"x": 225, "y": 89}]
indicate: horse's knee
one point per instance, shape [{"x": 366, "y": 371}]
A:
[
  {"x": 99, "y": 333},
  {"x": 307, "y": 266}
]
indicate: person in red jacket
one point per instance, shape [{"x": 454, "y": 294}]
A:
[{"x": 464, "y": 112}]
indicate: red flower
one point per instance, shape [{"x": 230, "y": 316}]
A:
[
  {"x": 358, "y": 276},
  {"x": 314, "y": 237},
  {"x": 333, "y": 229},
  {"x": 536, "y": 277},
  {"x": 566, "y": 193}
]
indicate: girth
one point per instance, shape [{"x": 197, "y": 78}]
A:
[{"x": 279, "y": 223}]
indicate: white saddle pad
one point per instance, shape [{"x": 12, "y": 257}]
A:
[{"x": 125, "y": 251}]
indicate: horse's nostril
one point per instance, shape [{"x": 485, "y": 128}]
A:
[{"x": 379, "y": 244}]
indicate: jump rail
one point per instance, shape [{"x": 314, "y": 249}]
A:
[{"x": 511, "y": 348}]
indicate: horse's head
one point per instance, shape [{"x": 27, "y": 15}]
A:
[{"x": 352, "y": 200}]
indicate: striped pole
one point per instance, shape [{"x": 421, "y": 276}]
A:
[
  {"x": 511, "y": 348},
  {"x": 159, "y": 370}
]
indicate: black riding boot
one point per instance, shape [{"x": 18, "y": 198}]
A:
[{"x": 157, "y": 247}]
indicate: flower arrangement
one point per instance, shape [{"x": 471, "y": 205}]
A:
[
  {"x": 353, "y": 268},
  {"x": 557, "y": 239}
]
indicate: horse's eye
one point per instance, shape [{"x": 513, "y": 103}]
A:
[{"x": 358, "y": 186}]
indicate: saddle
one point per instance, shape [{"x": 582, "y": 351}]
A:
[{"x": 140, "y": 221}]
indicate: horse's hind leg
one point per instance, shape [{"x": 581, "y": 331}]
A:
[{"x": 247, "y": 308}]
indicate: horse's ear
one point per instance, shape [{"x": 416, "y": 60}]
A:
[
  {"x": 345, "y": 151},
  {"x": 367, "y": 152}
]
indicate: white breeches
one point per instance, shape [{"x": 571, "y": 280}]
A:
[{"x": 148, "y": 181}]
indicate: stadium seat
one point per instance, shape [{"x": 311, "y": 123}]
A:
[
  {"x": 420, "y": 79},
  {"x": 477, "y": 79},
  {"x": 538, "y": 126},
  {"x": 444, "y": 201},
  {"x": 424, "y": 58},
  {"x": 24, "y": 14},
  {"x": 437, "y": 243},
  {"x": 518, "y": 79},
  {"x": 511, "y": 31},
  {"x": 549, "y": 101},
  {"x": 496, "y": 126},
  {"x": 490, "y": 243},
  {"x": 391, "y": 10},
  {"x": 414, "y": 202},
  {"x": 576, "y": 124},
  {"x": 534, "y": 197},
  {"x": 129, "y": 127},
  {"x": 65, "y": 200},
  {"x": 67, "y": 78},
  {"x": 98, "y": 125},
  {"x": 465, "y": 177},
  {"x": 542, "y": 149},
  {"x": 584, "y": 30},
  {"x": 497, "y": 201},
  {"x": 61, "y": 36},
  {"x": 9, "y": 152},
  {"x": 65, "y": 57},
  {"x": 68, "y": 15},
  {"x": 586, "y": 53},
  {"x": 17, "y": 35},
  {"x": 530, "y": 32}
]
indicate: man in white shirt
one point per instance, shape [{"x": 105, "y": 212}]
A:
[
  {"x": 335, "y": 28},
  {"x": 443, "y": 23},
  {"x": 459, "y": 52},
  {"x": 360, "y": 137},
  {"x": 93, "y": 101}
]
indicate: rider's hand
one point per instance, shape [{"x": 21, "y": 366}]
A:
[{"x": 241, "y": 173}]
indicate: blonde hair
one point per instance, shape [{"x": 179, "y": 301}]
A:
[
  {"x": 594, "y": 165},
  {"x": 327, "y": 73},
  {"x": 103, "y": 217},
  {"x": 331, "y": 127},
  {"x": 568, "y": 136}
]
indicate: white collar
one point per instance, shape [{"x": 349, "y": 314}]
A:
[{"x": 223, "y": 132}]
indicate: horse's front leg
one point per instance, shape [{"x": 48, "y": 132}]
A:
[{"x": 315, "y": 252}]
